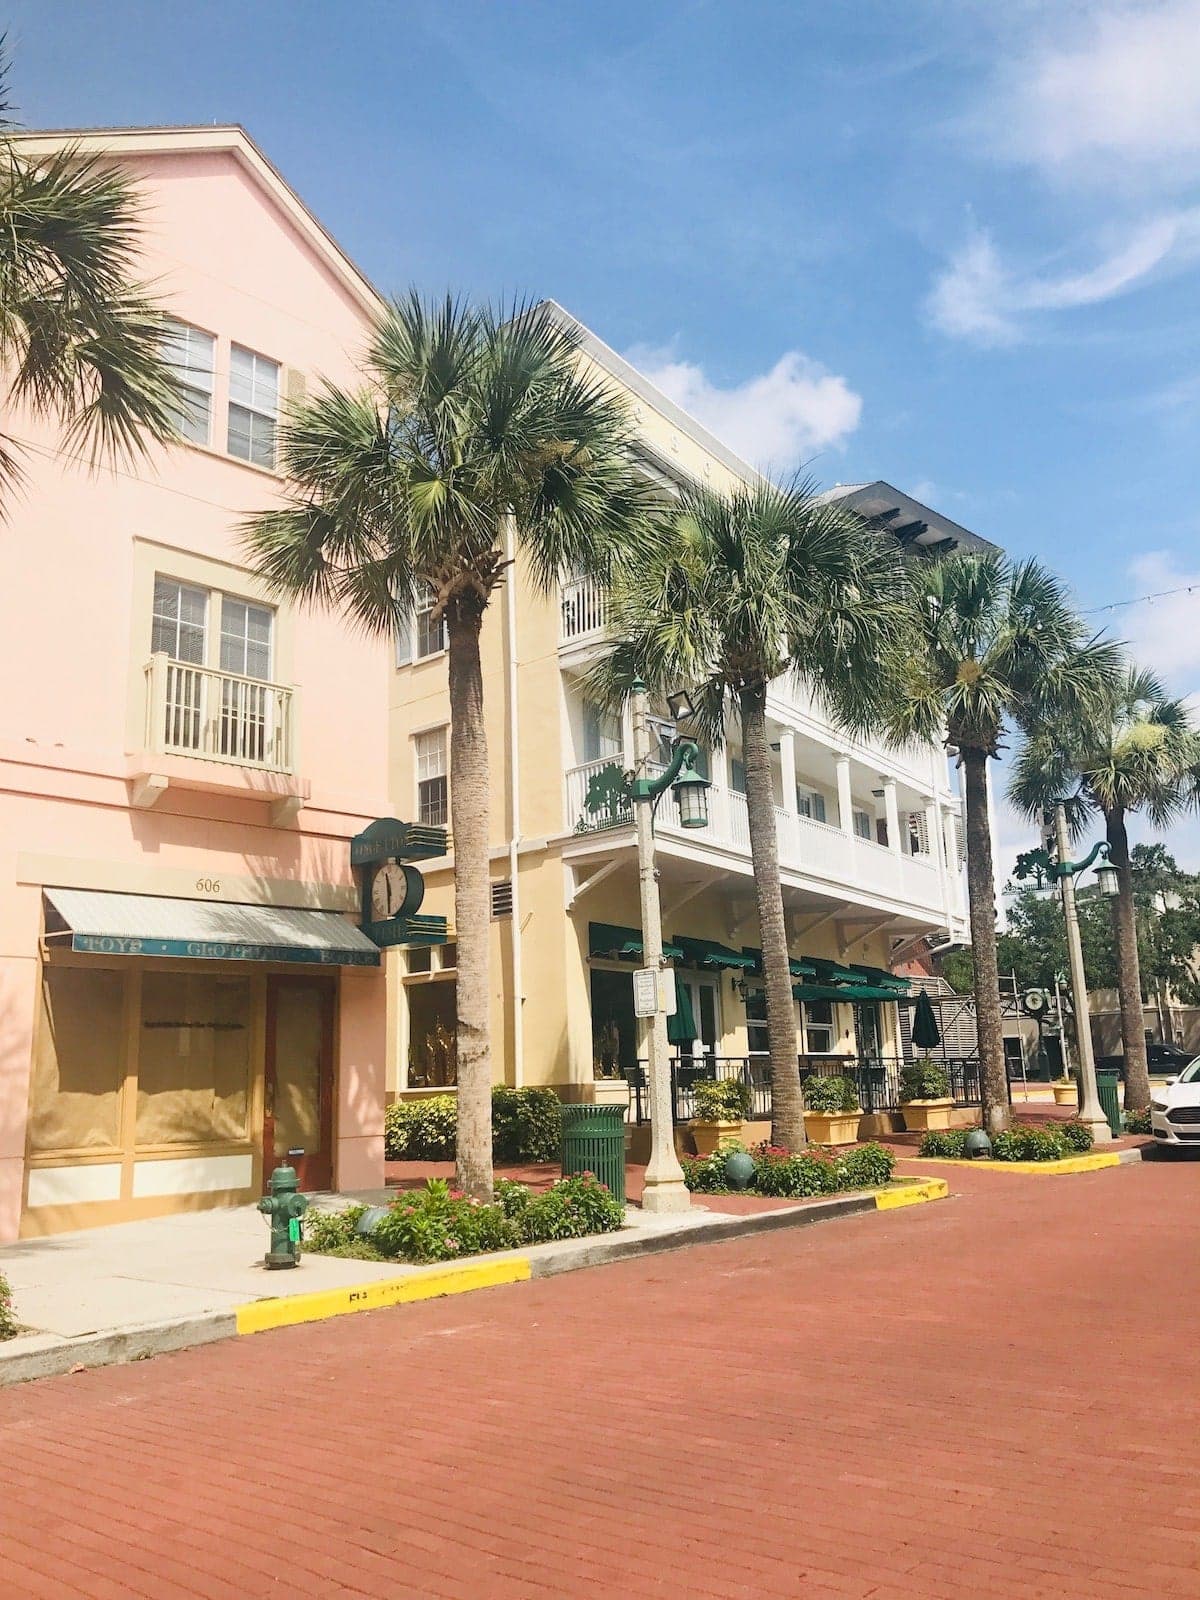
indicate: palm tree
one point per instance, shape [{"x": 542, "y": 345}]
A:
[
  {"x": 80, "y": 339},
  {"x": 1137, "y": 754},
  {"x": 473, "y": 426},
  {"x": 731, "y": 592},
  {"x": 1000, "y": 645}
]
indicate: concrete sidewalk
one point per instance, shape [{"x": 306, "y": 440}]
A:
[{"x": 121, "y": 1293}]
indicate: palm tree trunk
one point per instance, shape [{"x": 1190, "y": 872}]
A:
[
  {"x": 1129, "y": 976},
  {"x": 787, "y": 1100},
  {"x": 981, "y": 897},
  {"x": 472, "y": 921}
]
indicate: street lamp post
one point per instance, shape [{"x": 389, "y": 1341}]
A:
[
  {"x": 1063, "y": 872},
  {"x": 664, "y": 1189}
]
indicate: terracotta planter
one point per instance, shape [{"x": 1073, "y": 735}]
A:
[
  {"x": 710, "y": 1136},
  {"x": 1064, "y": 1094},
  {"x": 831, "y": 1127},
  {"x": 922, "y": 1115}
]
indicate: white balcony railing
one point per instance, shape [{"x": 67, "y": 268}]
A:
[
  {"x": 596, "y": 802},
  {"x": 584, "y": 609},
  {"x": 218, "y": 716}
]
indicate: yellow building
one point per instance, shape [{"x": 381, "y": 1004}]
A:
[{"x": 868, "y": 840}]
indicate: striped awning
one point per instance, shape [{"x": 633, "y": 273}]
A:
[{"x": 102, "y": 923}]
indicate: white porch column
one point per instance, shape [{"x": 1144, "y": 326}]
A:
[
  {"x": 841, "y": 763},
  {"x": 787, "y": 767},
  {"x": 718, "y": 795},
  {"x": 933, "y": 836},
  {"x": 892, "y": 813},
  {"x": 948, "y": 833}
]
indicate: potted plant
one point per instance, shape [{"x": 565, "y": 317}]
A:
[
  {"x": 1064, "y": 1091},
  {"x": 610, "y": 1087},
  {"x": 831, "y": 1110},
  {"x": 722, "y": 1105},
  {"x": 925, "y": 1097}
]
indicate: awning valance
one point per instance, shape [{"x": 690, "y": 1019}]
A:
[
  {"x": 848, "y": 994},
  {"x": 102, "y": 923},
  {"x": 707, "y": 953},
  {"x": 880, "y": 978},
  {"x": 831, "y": 971},
  {"x": 611, "y": 941},
  {"x": 797, "y": 968}
]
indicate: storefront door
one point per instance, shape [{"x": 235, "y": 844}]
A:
[
  {"x": 701, "y": 1051},
  {"x": 298, "y": 1119}
]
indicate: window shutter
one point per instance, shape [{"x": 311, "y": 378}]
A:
[
  {"x": 502, "y": 899},
  {"x": 818, "y": 807},
  {"x": 295, "y": 385},
  {"x": 404, "y": 640},
  {"x": 918, "y": 832}
]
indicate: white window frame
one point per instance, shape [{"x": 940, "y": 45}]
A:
[
  {"x": 420, "y": 778},
  {"x": 809, "y": 1028},
  {"x": 227, "y": 600},
  {"x": 413, "y": 641},
  {"x": 256, "y": 406},
  {"x": 866, "y": 831},
  {"x": 810, "y": 803},
  {"x": 192, "y": 355},
  {"x": 180, "y": 587}
]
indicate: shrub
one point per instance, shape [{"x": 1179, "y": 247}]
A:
[
  {"x": 706, "y": 1174},
  {"x": 438, "y": 1223},
  {"x": 572, "y": 1208},
  {"x": 1138, "y": 1121},
  {"x": 794, "y": 1177},
  {"x": 829, "y": 1095},
  {"x": 722, "y": 1100},
  {"x": 923, "y": 1080},
  {"x": 333, "y": 1232},
  {"x": 946, "y": 1142},
  {"x": 1024, "y": 1142},
  {"x": 868, "y": 1166},
  {"x": 8, "y": 1316},
  {"x": 526, "y": 1126},
  {"x": 1077, "y": 1136}
]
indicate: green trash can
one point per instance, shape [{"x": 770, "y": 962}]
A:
[
  {"x": 1107, "y": 1079},
  {"x": 593, "y": 1140}
]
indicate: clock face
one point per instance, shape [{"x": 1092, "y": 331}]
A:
[{"x": 388, "y": 891}]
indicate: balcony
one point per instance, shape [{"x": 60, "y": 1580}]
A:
[
  {"x": 583, "y": 611},
  {"x": 206, "y": 729},
  {"x": 833, "y": 862}
]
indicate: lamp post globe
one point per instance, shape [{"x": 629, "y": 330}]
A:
[
  {"x": 691, "y": 796},
  {"x": 1108, "y": 879}
]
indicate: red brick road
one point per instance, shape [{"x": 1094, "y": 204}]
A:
[{"x": 992, "y": 1396}]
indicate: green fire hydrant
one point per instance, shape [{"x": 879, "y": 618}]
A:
[{"x": 284, "y": 1206}]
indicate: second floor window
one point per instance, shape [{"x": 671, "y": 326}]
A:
[
  {"x": 810, "y": 804},
  {"x": 601, "y": 735},
  {"x": 245, "y": 638},
  {"x": 179, "y": 626},
  {"x": 190, "y": 354},
  {"x": 419, "y": 635},
  {"x": 862, "y": 824},
  {"x": 253, "y": 406},
  {"x": 432, "y": 796}
]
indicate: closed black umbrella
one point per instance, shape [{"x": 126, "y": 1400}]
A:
[{"x": 925, "y": 1033}]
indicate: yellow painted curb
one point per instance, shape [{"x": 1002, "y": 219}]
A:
[
  {"x": 914, "y": 1193},
  {"x": 285, "y": 1312},
  {"x": 1039, "y": 1169}
]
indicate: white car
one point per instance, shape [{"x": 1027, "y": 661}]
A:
[{"x": 1175, "y": 1108}]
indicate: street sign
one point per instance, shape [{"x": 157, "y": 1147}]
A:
[{"x": 653, "y": 992}]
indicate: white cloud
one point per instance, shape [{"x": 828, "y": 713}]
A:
[
  {"x": 1164, "y": 633},
  {"x": 775, "y": 420},
  {"x": 978, "y": 297},
  {"x": 1125, "y": 85}
]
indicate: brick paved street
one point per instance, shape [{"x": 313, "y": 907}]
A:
[{"x": 993, "y": 1396}]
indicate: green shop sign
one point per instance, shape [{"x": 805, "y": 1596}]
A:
[{"x": 392, "y": 888}]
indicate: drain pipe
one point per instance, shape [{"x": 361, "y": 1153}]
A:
[{"x": 514, "y": 801}]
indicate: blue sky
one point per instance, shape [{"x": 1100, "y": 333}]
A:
[{"x": 951, "y": 244}]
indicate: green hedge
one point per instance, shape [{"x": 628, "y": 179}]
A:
[
  {"x": 526, "y": 1126},
  {"x": 830, "y": 1095},
  {"x": 1024, "y": 1141},
  {"x": 795, "y": 1177},
  {"x": 438, "y": 1223}
]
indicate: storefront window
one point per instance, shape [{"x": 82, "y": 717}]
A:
[
  {"x": 432, "y": 1035},
  {"x": 818, "y": 1027},
  {"x": 757, "y": 1039},
  {"x": 78, "y": 1066},
  {"x": 193, "y": 1059}
]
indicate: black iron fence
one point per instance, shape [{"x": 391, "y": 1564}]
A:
[{"x": 876, "y": 1080}]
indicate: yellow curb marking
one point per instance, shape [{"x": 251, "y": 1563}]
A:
[
  {"x": 1039, "y": 1169},
  {"x": 288, "y": 1310},
  {"x": 914, "y": 1193}
]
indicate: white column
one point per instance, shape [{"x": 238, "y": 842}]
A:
[
  {"x": 841, "y": 763},
  {"x": 789, "y": 844},
  {"x": 892, "y": 813}
]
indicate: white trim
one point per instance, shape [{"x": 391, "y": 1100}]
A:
[
  {"x": 84, "y": 1184},
  {"x": 192, "y": 1175}
]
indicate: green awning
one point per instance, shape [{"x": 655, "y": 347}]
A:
[
  {"x": 881, "y": 979},
  {"x": 707, "y": 953},
  {"x": 831, "y": 971},
  {"x": 797, "y": 968},
  {"x": 819, "y": 991},
  {"x": 614, "y": 943},
  {"x": 103, "y": 922}
]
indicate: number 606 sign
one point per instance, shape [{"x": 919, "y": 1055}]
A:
[{"x": 208, "y": 885}]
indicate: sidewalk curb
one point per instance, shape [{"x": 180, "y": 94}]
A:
[
  {"x": 49, "y": 1355},
  {"x": 1069, "y": 1166}
]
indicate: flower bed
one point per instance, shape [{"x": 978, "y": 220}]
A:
[
  {"x": 1138, "y": 1121},
  {"x": 438, "y": 1223},
  {"x": 8, "y": 1317},
  {"x": 777, "y": 1172},
  {"x": 1024, "y": 1141}
]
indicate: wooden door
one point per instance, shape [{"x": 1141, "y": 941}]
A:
[{"x": 298, "y": 1105}]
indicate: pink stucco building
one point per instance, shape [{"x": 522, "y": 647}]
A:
[{"x": 184, "y": 996}]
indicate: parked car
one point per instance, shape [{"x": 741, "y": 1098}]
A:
[
  {"x": 1164, "y": 1060},
  {"x": 1175, "y": 1108}
]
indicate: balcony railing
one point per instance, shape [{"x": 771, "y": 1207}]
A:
[
  {"x": 584, "y": 609},
  {"x": 597, "y": 800},
  {"x": 218, "y": 716}
]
